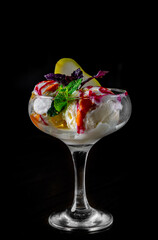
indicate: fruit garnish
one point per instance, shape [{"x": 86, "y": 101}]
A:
[
  {"x": 51, "y": 88},
  {"x": 58, "y": 121},
  {"x": 33, "y": 95},
  {"x": 35, "y": 118},
  {"x": 82, "y": 108},
  {"x": 68, "y": 65}
]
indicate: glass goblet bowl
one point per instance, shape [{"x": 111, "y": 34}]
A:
[{"x": 81, "y": 216}]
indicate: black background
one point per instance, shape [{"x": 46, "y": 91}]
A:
[{"x": 40, "y": 166}]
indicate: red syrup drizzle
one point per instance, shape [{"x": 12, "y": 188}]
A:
[
  {"x": 43, "y": 120},
  {"x": 40, "y": 89},
  {"x": 80, "y": 113},
  {"x": 119, "y": 98}
]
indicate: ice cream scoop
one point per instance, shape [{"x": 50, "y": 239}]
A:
[
  {"x": 95, "y": 105},
  {"x": 41, "y": 105}
]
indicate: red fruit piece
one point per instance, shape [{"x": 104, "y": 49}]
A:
[
  {"x": 83, "y": 107},
  {"x": 51, "y": 88}
]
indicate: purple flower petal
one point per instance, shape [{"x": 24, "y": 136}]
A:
[
  {"x": 63, "y": 79},
  {"x": 100, "y": 74},
  {"x": 77, "y": 74}
]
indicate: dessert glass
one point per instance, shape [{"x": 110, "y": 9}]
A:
[{"x": 81, "y": 216}]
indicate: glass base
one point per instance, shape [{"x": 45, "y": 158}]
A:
[{"x": 96, "y": 220}]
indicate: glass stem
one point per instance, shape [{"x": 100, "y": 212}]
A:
[{"x": 80, "y": 208}]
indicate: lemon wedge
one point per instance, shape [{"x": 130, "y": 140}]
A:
[{"x": 68, "y": 65}]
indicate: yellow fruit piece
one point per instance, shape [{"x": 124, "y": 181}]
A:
[
  {"x": 58, "y": 121},
  {"x": 68, "y": 65},
  {"x": 35, "y": 118},
  {"x": 33, "y": 95}
]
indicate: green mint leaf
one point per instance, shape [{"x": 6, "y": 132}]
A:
[
  {"x": 52, "y": 111},
  {"x": 74, "y": 85},
  {"x": 60, "y": 100},
  {"x": 60, "y": 87}
]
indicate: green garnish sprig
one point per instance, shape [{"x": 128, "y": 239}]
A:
[{"x": 63, "y": 96}]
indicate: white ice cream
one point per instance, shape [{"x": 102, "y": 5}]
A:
[
  {"x": 107, "y": 111},
  {"x": 70, "y": 115},
  {"x": 41, "y": 105}
]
